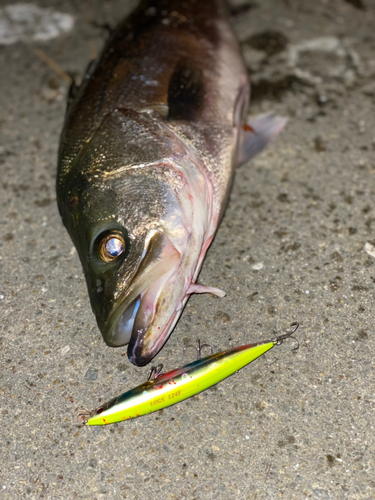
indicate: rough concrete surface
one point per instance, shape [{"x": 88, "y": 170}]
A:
[{"x": 291, "y": 247}]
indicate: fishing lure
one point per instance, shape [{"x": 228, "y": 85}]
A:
[{"x": 163, "y": 390}]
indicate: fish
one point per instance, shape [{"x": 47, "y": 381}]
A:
[
  {"x": 177, "y": 385},
  {"x": 147, "y": 154}
]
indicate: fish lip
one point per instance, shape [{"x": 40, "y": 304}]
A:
[
  {"x": 161, "y": 258},
  {"x": 135, "y": 354},
  {"x": 139, "y": 359},
  {"x": 113, "y": 321}
]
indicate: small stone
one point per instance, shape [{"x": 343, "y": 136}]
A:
[
  {"x": 65, "y": 350},
  {"x": 91, "y": 375},
  {"x": 370, "y": 249},
  {"x": 257, "y": 266},
  {"x": 319, "y": 144},
  {"x": 93, "y": 463},
  {"x": 322, "y": 99}
]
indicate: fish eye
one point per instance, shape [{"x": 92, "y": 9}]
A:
[{"x": 111, "y": 246}]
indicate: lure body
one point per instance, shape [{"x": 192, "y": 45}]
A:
[{"x": 175, "y": 386}]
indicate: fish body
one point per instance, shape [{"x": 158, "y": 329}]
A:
[
  {"x": 177, "y": 385},
  {"x": 146, "y": 160}
]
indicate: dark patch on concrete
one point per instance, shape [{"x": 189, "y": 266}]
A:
[
  {"x": 335, "y": 283},
  {"x": 359, "y": 288},
  {"x": 8, "y": 237},
  {"x": 336, "y": 257},
  {"x": 240, "y": 10},
  {"x": 221, "y": 316},
  {"x": 122, "y": 367},
  {"x": 362, "y": 335},
  {"x": 320, "y": 144},
  {"x": 285, "y": 442},
  {"x": 274, "y": 89},
  {"x": 93, "y": 463},
  {"x": 358, "y": 4},
  {"x": 270, "y": 41}
]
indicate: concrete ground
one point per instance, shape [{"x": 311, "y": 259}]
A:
[{"x": 292, "y": 247}]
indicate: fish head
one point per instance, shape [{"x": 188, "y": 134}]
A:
[{"x": 131, "y": 220}]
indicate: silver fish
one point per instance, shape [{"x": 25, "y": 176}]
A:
[{"x": 147, "y": 154}]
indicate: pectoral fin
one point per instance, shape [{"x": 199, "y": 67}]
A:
[
  {"x": 257, "y": 134},
  {"x": 194, "y": 288}
]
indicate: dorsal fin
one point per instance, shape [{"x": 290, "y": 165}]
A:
[
  {"x": 185, "y": 92},
  {"x": 74, "y": 87}
]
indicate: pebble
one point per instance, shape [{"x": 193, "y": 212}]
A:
[
  {"x": 320, "y": 144},
  {"x": 91, "y": 375},
  {"x": 65, "y": 350},
  {"x": 370, "y": 249}
]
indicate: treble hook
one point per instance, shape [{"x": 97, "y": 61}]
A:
[
  {"x": 83, "y": 416},
  {"x": 280, "y": 339},
  {"x": 155, "y": 372},
  {"x": 198, "y": 348}
]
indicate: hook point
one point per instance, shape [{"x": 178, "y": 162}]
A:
[{"x": 280, "y": 339}]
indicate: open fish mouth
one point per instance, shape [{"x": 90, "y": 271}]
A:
[
  {"x": 123, "y": 330},
  {"x": 130, "y": 322}
]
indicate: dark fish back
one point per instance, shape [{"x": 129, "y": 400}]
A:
[{"x": 156, "y": 57}]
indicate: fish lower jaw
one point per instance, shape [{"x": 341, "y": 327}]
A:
[
  {"x": 142, "y": 323},
  {"x": 138, "y": 316},
  {"x": 152, "y": 330},
  {"x": 141, "y": 350},
  {"x": 134, "y": 312},
  {"x": 122, "y": 331}
]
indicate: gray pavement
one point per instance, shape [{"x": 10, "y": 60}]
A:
[{"x": 291, "y": 247}]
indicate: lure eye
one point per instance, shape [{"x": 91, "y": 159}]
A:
[{"x": 111, "y": 247}]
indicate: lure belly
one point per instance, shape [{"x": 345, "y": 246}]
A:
[{"x": 180, "y": 384}]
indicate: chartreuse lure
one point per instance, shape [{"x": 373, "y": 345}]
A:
[{"x": 170, "y": 388}]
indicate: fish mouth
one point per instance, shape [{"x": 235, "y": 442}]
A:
[{"x": 134, "y": 320}]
